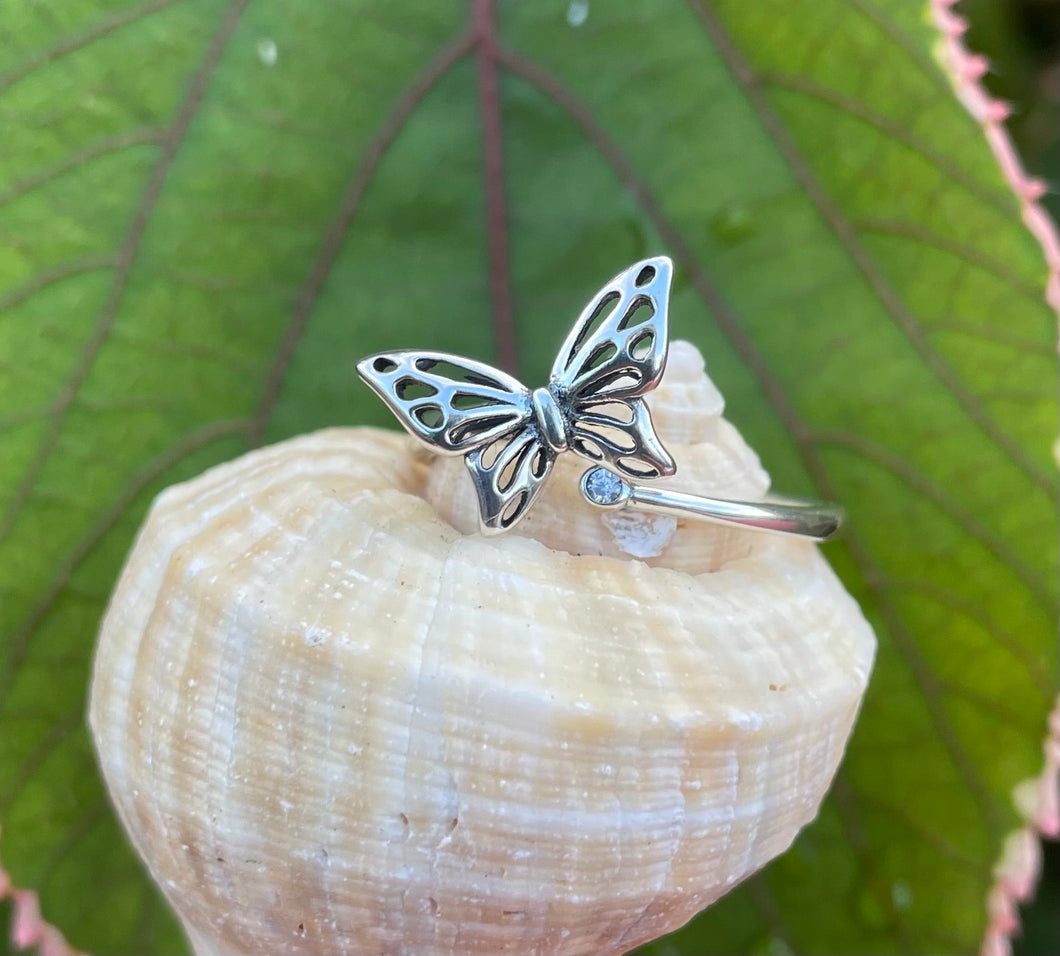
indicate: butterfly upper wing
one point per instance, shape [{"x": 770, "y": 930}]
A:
[
  {"x": 450, "y": 403},
  {"x": 615, "y": 353},
  {"x": 617, "y": 348},
  {"x": 508, "y": 475},
  {"x": 459, "y": 406}
]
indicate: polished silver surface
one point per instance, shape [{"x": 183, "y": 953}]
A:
[
  {"x": 816, "y": 520},
  {"x": 509, "y": 435},
  {"x": 592, "y": 405}
]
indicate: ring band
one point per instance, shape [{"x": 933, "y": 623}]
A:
[
  {"x": 593, "y": 405},
  {"x": 816, "y": 520}
]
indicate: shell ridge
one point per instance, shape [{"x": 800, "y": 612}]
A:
[
  {"x": 216, "y": 798},
  {"x": 645, "y": 575},
  {"x": 430, "y": 627}
]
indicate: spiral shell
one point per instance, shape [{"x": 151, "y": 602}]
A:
[{"x": 332, "y": 722}]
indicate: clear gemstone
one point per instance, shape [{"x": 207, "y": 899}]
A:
[{"x": 603, "y": 487}]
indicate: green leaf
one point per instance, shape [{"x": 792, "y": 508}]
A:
[{"x": 210, "y": 210}]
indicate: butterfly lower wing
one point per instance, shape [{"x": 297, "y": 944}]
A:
[
  {"x": 452, "y": 404},
  {"x": 508, "y": 475},
  {"x": 620, "y": 433},
  {"x": 617, "y": 348}
]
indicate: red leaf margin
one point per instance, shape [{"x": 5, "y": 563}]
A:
[
  {"x": 964, "y": 70},
  {"x": 29, "y": 930},
  {"x": 1038, "y": 799},
  {"x": 1016, "y": 872}
]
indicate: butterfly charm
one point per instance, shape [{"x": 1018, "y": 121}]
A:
[{"x": 509, "y": 435}]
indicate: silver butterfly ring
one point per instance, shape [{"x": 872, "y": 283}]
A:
[{"x": 510, "y": 435}]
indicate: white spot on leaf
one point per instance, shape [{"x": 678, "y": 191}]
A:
[
  {"x": 577, "y": 12},
  {"x": 901, "y": 895},
  {"x": 267, "y": 51}
]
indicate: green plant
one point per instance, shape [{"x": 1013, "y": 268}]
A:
[{"x": 209, "y": 210}]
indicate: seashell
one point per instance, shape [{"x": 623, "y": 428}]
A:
[{"x": 331, "y": 722}]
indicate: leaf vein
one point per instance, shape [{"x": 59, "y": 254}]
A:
[
  {"x": 371, "y": 157},
  {"x": 967, "y": 254},
  {"x": 878, "y": 455},
  {"x": 990, "y": 333},
  {"x": 773, "y": 391},
  {"x": 89, "y": 819},
  {"x": 126, "y": 258},
  {"x": 191, "y": 442},
  {"x": 57, "y": 733},
  {"x": 848, "y": 811},
  {"x": 978, "y": 613},
  {"x": 79, "y": 40},
  {"x": 998, "y": 199},
  {"x": 81, "y": 158},
  {"x": 845, "y": 232},
  {"x": 871, "y": 800},
  {"x": 50, "y": 277},
  {"x": 915, "y": 53}
]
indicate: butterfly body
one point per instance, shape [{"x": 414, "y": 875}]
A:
[
  {"x": 549, "y": 419},
  {"x": 510, "y": 435}
]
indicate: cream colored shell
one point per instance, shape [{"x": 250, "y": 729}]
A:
[{"x": 333, "y": 723}]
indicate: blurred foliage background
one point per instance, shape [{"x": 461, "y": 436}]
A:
[{"x": 1021, "y": 38}]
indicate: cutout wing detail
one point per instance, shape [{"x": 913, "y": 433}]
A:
[
  {"x": 451, "y": 404},
  {"x": 508, "y": 476},
  {"x": 615, "y": 353},
  {"x": 617, "y": 348},
  {"x": 620, "y": 434}
]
